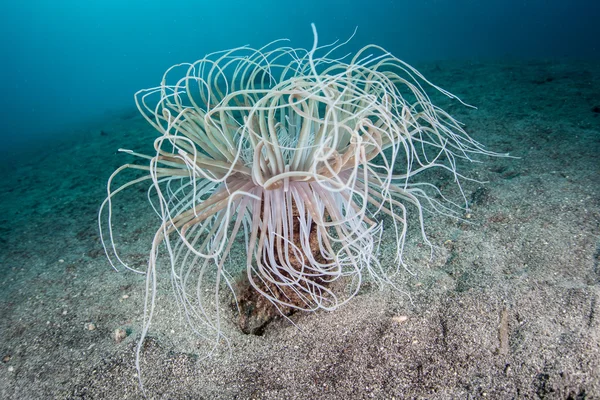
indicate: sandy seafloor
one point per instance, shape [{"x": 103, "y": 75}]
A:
[{"x": 508, "y": 309}]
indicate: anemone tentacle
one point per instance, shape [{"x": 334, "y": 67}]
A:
[{"x": 304, "y": 158}]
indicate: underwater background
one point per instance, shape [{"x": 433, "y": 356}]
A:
[
  {"x": 508, "y": 308},
  {"x": 67, "y": 62}
]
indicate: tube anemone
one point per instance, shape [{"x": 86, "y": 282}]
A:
[{"x": 304, "y": 158}]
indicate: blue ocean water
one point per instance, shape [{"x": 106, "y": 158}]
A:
[{"x": 68, "y": 61}]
